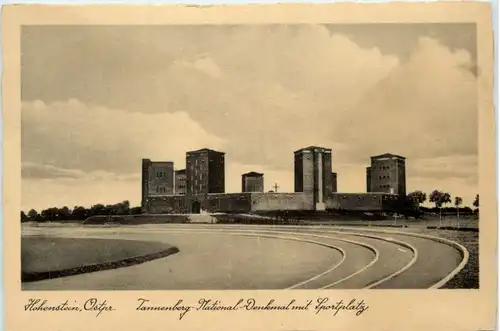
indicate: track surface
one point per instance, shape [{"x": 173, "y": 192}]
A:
[{"x": 215, "y": 257}]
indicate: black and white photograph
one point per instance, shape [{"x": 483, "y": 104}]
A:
[
  {"x": 258, "y": 156},
  {"x": 271, "y": 167}
]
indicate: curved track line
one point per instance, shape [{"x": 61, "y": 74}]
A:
[
  {"x": 357, "y": 243},
  {"x": 463, "y": 250},
  {"x": 398, "y": 242},
  {"x": 344, "y": 257},
  {"x": 335, "y": 266},
  {"x": 273, "y": 228},
  {"x": 373, "y": 249},
  {"x": 391, "y": 240},
  {"x": 377, "y": 255},
  {"x": 256, "y": 233},
  {"x": 180, "y": 231}
]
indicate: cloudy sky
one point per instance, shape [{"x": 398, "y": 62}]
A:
[{"x": 95, "y": 100}]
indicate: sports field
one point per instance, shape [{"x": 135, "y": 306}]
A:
[{"x": 214, "y": 256}]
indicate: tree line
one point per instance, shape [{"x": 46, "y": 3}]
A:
[
  {"x": 78, "y": 213},
  {"x": 414, "y": 200},
  {"x": 441, "y": 199}
]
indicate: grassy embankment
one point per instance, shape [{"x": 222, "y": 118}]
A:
[
  {"x": 47, "y": 258},
  {"x": 350, "y": 219},
  {"x": 468, "y": 278},
  {"x": 137, "y": 219}
]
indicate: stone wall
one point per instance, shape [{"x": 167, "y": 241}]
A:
[
  {"x": 361, "y": 201},
  {"x": 232, "y": 202},
  {"x": 281, "y": 201},
  {"x": 212, "y": 203},
  {"x": 262, "y": 202},
  {"x": 175, "y": 204}
]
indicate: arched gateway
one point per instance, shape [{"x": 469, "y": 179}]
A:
[{"x": 195, "y": 207}]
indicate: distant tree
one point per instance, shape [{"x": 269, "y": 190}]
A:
[
  {"x": 439, "y": 199},
  {"x": 117, "y": 209},
  {"x": 135, "y": 210},
  {"x": 402, "y": 205},
  {"x": 126, "y": 207},
  {"x": 50, "y": 214},
  {"x": 98, "y": 209},
  {"x": 122, "y": 208},
  {"x": 79, "y": 213},
  {"x": 418, "y": 198},
  {"x": 110, "y": 209},
  {"x": 54, "y": 213},
  {"x": 44, "y": 215},
  {"x": 476, "y": 204},
  {"x": 458, "y": 202},
  {"x": 33, "y": 215},
  {"x": 64, "y": 214},
  {"x": 24, "y": 217}
]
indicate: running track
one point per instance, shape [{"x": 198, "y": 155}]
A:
[{"x": 215, "y": 257}]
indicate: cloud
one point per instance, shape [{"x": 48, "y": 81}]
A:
[
  {"x": 425, "y": 108},
  {"x": 445, "y": 167},
  {"x": 71, "y": 139},
  {"x": 284, "y": 96},
  {"x": 258, "y": 93},
  {"x": 202, "y": 63},
  {"x": 266, "y": 90},
  {"x": 44, "y": 171},
  {"x": 84, "y": 191},
  {"x": 41, "y": 171},
  {"x": 63, "y": 187}
]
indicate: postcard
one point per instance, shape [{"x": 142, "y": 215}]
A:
[{"x": 277, "y": 167}]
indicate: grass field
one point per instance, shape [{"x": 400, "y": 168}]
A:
[
  {"x": 42, "y": 255},
  {"x": 469, "y": 276}
]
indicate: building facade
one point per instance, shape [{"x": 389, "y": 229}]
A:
[
  {"x": 387, "y": 174},
  {"x": 313, "y": 174},
  {"x": 157, "y": 179},
  {"x": 205, "y": 172},
  {"x": 201, "y": 187},
  {"x": 368, "y": 179},
  {"x": 229, "y": 203},
  {"x": 180, "y": 182},
  {"x": 258, "y": 202},
  {"x": 363, "y": 202},
  {"x": 252, "y": 182},
  {"x": 334, "y": 182}
]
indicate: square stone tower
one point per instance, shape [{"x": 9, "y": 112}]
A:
[
  {"x": 313, "y": 174},
  {"x": 387, "y": 174}
]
